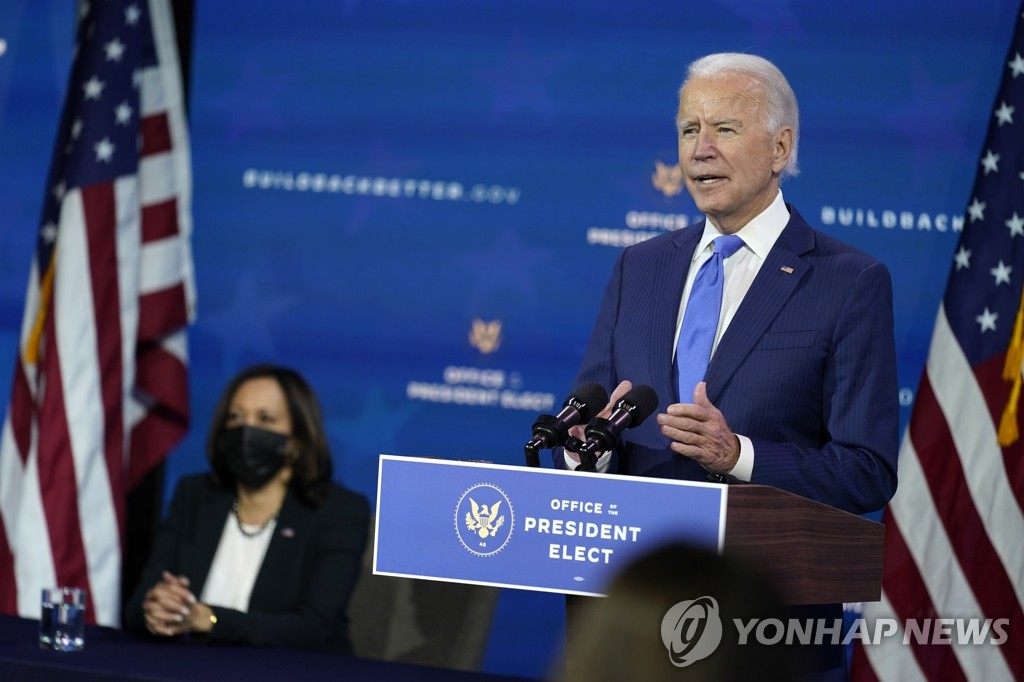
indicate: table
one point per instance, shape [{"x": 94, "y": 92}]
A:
[{"x": 112, "y": 654}]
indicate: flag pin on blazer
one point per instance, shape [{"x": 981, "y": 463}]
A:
[
  {"x": 786, "y": 269},
  {"x": 287, "y": 532}
]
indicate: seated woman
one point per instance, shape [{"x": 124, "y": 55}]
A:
[{"x": 264, "y": 549}]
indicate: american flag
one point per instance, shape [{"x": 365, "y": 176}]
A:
[
  {"x": 99, "y": 393},
  {"x": 954, "y": 532}
]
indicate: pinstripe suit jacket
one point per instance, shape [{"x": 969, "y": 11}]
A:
[{"x": 806, "y": 368}]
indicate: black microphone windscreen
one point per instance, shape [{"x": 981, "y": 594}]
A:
[
  {"x": 592, "y": 398},
  {"x": 645, "y": 400}
]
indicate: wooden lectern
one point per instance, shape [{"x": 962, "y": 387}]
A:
[{"x": 814, "y": 553}]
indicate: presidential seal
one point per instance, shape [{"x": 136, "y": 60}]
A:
[{"x": 484, "y": 519}]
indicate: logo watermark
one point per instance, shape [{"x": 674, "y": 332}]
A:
[{"x": 692, "y": 630}]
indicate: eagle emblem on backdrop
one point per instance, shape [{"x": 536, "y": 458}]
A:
[
  {"x": 484, "y": 519},
  {"x": 485, "y": 336},
  {"x": 668, "y": 179}
]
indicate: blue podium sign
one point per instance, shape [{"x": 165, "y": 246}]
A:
[{"x": 528, "y": 528}]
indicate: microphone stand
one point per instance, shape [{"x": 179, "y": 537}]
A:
[
  {"x": 544, "y": 430},
  {"x": 532, "y": 455},
  {"x": 588, "y": 460}
]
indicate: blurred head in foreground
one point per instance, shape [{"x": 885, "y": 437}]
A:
[{"x": 669, "y": 615}]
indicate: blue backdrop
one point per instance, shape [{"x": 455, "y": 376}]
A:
[{"x": 417, "y": 204}]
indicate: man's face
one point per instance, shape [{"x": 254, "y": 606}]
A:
[{"x": 730, "y": 163}]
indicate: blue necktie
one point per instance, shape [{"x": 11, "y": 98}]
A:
[{"x": 700, "y": 321}]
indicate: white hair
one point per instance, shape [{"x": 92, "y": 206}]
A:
[{"x": 780, "y": 108}]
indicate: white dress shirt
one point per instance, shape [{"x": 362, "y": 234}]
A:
[
  {"x": 759, "y": 236},
  {"x": 236, "y": 564}
]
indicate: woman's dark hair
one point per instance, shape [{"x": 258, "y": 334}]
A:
[{"x": 312, "y": 468}]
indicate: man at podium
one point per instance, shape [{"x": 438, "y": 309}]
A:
[{"x": 770, "y": 342}]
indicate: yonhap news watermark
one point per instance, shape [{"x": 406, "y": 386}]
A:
[{"x": 692, "y": 630}]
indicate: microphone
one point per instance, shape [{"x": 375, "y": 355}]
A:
[
  {"x": 603, "y": 434},
  {"x": 550, "y": 431}
]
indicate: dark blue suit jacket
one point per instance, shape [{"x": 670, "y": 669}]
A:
[{"x": 806, "y": 368}]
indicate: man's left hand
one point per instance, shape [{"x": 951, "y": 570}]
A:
[{"x": 699, "y": 431}]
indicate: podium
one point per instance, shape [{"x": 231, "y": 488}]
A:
[
  {"x": 570, "y": 532},
  {"x": 814, "y": 553}
]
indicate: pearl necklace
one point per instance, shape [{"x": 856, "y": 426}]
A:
[{"x": 253, "y": 533}]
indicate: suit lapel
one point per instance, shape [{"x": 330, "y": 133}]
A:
[
  {"x": 775, "y": 282},
  {"x": 281, "y": 550},
  {"x": 662, "y": 335}
]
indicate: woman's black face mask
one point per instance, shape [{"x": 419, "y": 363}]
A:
[{"x": 253, "y": 455}]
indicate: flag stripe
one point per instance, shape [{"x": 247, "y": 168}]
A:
[
  {"x": 163, "y": 376},
  {"x": 935, "y": 555},
  {"x": 88, "y": 347},
  {"x": 56, "y": 473},
  {"x": 106, "y": 297},
  {"x": 20, "y": 412},
  {"x": 891, "y": 653},
  {"x": 8, "y": 584},
  {"x": 101, "y": 222},
  {"x": 101, "y": 488},
  {"x": 159, "y": 270},
  {"x": 27, "y": 530},
  {"x": 161, "y": 311},
  {"x": 974, "y": 458},
  {"x": 159, "y": 220},
  {"x": 155, "y": 133},
  {"x": 161, "y": 382},
  {"x": 158, "y": 431},
  {"x": 157, "y": 180},
  {"x": 912, "y": 601},
  {"x": 928, "y": 559},
  {"x": 946, "y": 480}
]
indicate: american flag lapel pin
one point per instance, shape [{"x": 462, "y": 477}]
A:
[
  {"x": 786, "y": 269},
  {"x": 287, "y": 532}
]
